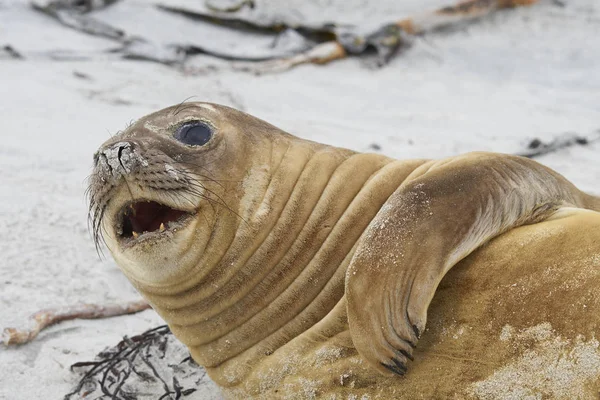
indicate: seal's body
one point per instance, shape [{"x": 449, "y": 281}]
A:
[{"x": 292, "y": 268}]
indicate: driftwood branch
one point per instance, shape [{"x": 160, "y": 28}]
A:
[{"x": 44, "y": 318}]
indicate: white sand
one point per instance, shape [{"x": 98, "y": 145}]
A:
[{"x": 491, "y": 86}]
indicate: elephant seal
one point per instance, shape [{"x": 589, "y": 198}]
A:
[{"x": 294, "y": 269}]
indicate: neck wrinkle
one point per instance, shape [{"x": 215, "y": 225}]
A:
[
  {"x": 260, "y": 264},
  {"x": 307, "y": 268},
  {"x": 274, "y": 297},
  {"x": 266, "y": 252},
  {"x": 224, "y": 233}
]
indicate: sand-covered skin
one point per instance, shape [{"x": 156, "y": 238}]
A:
[
  {"x": 551, "y": 362},
  {"x": 491, "y": 86}
]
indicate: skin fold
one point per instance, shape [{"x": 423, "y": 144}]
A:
[{"x": 302, "y": 270}]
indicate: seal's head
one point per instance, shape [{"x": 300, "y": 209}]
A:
[
  {"x": 198, "y": 204},
  {"x": 159, "y": 187}
]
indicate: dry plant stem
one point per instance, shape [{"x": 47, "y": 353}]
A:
[{"x": 45, "y": 318}]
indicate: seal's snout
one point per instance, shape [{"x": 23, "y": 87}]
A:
[
  {"x": 118, "y": 159},
  {"x": 147, "y": 195}
]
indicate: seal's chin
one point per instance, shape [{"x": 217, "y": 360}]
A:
[{"x": 144, "y": 220}]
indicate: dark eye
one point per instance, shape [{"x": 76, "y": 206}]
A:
[{"x": 195, "y": 133}]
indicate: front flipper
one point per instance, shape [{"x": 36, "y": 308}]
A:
[{"x": 440, "y": 214}]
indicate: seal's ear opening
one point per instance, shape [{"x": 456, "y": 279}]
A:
[{"x": 194, "y": 133}]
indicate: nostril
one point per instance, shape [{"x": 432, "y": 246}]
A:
[
  {"x": 122, "y": 147},
  {"x": 121, "y": 154},
  {"x": 117, "y": 158}
]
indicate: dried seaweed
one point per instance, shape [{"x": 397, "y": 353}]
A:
[
  {"x": 231, "y": 8},
  {"x": 7, "y": 51},
  {"x": 316, "y": 43},
  {"x": 73, "y": 15},
  {"x": 143, "y": 360},
  {"x": 317, "y": 33},
  {"x": 385, "y": 41},
  {"x": 537, "y": 147}
]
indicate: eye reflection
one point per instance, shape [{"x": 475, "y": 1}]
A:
[{"x": 195, "y": 133}]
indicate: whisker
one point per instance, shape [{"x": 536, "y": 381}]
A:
[
  {"x": 220, "y": 201},
  {"x": 97, "y": 229},
  {"x": 204, "y": 216},
  {"x": 183, "y": 109},
  {"x": 187, "y": 199},
  {"x": 188, "y": 174},
  {"x": 216, "y": 195},
  {"x": 180, "y": 104}
]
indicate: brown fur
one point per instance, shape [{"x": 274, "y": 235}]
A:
[{"x": 308, "y": 270}]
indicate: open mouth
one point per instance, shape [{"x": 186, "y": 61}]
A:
[{"x": 147, "y": 218}]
